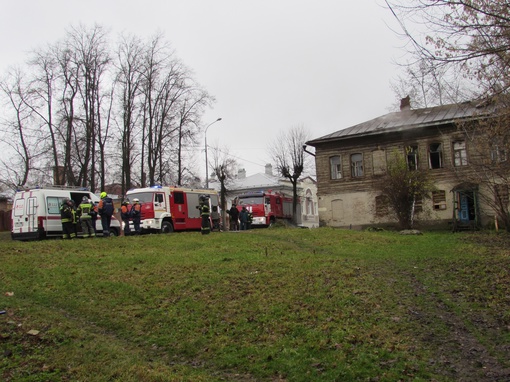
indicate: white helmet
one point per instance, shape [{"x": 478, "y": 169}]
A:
[{"x": 135, "y": 200}]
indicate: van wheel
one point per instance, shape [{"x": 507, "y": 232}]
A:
[{"x": 167, "y": 227}]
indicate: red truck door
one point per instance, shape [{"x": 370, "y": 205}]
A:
[{"x": 178, "y": 210}]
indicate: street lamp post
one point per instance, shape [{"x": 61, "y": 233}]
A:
[{"x": 206, "y": 162}]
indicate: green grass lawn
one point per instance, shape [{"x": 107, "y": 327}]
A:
[{"x": 263, "y": 305}]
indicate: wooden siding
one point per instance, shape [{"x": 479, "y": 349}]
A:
[{"x": 350, "y": 201}]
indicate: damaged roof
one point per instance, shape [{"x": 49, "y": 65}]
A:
[{"x": 408, "y": 119}]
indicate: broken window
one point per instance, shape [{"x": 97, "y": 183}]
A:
[
  {"x": 439, "y": 200},
  {"x": 459, "y": 154},
  {"x": 335, "y": 165},
  {"x": 356, "y": 165},
  {"x": 435, "y": 155},
  {"x": 412, "y": 157}
]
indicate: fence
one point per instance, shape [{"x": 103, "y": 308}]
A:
[{"x": 5, "y": 220}]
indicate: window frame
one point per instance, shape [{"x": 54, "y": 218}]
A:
[
  {"x": 336, "y": 171},
  {"x": 357, "y": 170},
  {"x": 435, "y": 163},
  {"x": 439, "y": 200},
  {"x": 412, "y": 152},
  {"x": 459, "y": 154}
]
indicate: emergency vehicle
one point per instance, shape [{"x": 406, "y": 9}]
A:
[
  {"x": 167, "y": 209},
  {"x": 266, "y": 206},
  {"x": 36, "y": 212}
]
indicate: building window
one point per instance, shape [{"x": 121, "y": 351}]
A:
[
  {"x": 498, "y": 154},
  {"x": 459, "y": 154},
  {"x": 435, "y": 155},
  {"x": 309, "y": 202},
  {"x": 335, "y": 165},
  {"x": 412, "y": 157},
  {"x": 356, "y": 165},
  {"x": 439, "y": 200},
  {"x": 379, "y": 162}
]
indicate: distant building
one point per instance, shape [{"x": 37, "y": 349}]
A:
[
  {"x": 307, "y": 214},
  {"x": 350, "y": 161}
]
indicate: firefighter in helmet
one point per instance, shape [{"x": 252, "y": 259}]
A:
[
  {"x": 83, "y": 212},
  {"x": 205, "y": 213},
  {"x": 67, "y": 216},
  {"x": 105, "y": 209},
  {"x": 125, "y": 214}
]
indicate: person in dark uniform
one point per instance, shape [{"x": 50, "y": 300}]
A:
[
  {"x": 67, "y": 216},
  {"x": 234, "y": 218},
  {"x": 125, "y": 214},
  {"x": 205, "y": 213},
  {"x": 136, "y": 215}
]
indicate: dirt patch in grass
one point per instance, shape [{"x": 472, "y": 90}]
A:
[{"x": 459, "y": 354}]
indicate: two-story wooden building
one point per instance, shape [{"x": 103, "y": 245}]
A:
[{"x": 349, "y": 162}]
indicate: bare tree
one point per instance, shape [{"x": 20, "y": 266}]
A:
[
  {"x": 91, "y": 59},
  {"x": 471, "y": 38},
  {"x": 428, "y": 85},
  {"x": 191, "y": 109},
  {"x": 288, "y": 155},
  {"x": 468, "y": 35},
  {"x": 225, "y": 169},
  {"x": 402, "y": 187},
  {"x": 489, "y": 143},
  {"x": 67, "y": 106},
  {"x": 17, "y": 130},
  {"x": 129, "y": 78}
]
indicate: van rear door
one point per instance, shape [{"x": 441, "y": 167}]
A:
[{"x": 24, "y": 217}]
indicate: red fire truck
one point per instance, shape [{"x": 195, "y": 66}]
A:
[
  {"x": 266, "y": 206},
  {"x": 167, "y": 209}
]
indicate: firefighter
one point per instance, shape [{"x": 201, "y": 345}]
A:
[
  {"x": 93, "y": 216},
  {"x": 75, "y": 218},
  {"x": 83, "y": 213},
  {"x": 67, "y": 216},
  {"x": 205, "y": 214},
  {"x": 215, "y": 217},
  {"x": 243, "y": 218},
  {"x": 250, "y": 220},
  {"x": 105, "y": 209},
  {"x": 234, "y": 218},
  {"x": 136, "y": 215},
  {"x": 125, "y": 214}
]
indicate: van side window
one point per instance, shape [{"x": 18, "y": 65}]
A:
[
  {"x": 53, "y": 204},
  {"x": 19, "y": 207}
]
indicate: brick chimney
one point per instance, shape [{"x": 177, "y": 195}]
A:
[
  {"x": 269, "y": 169},
  {"x": 405, "y": 103}
]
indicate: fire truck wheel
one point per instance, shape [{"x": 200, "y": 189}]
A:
[{"x": 167, "y": 227}]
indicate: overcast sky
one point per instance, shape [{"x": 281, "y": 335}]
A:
[{"x": 270, "y": 64}]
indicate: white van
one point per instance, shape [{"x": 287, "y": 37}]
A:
[{"x": 36, "y": 213}]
